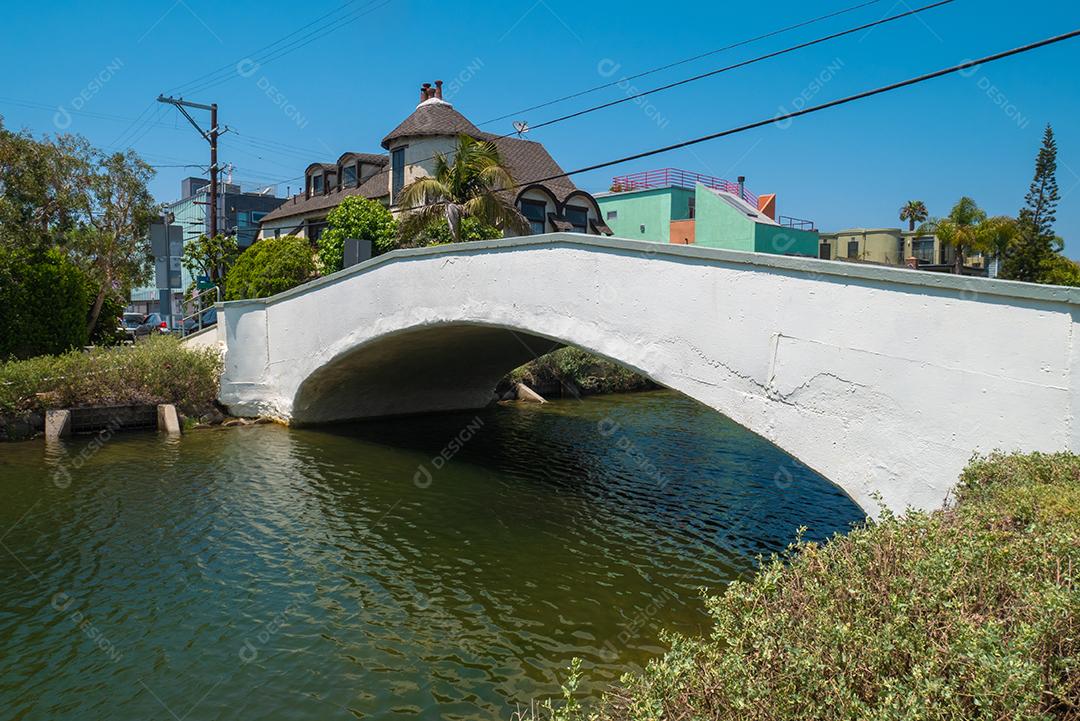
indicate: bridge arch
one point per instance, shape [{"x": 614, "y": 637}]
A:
[
  {"x": 883, "y": 380},
  {"x": 439, "y": 366}
]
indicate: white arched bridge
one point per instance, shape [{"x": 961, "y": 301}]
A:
[{"x": 884, "y": 380}]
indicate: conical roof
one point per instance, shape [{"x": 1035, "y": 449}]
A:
[{"x": 432, "y": 117}]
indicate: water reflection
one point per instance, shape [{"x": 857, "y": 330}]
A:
[{"x": 276, "y": 573}]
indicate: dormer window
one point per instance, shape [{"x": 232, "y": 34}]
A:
[
  {"x": 535, "y": 211},
  {"x": 348, "y": 176},
  {"x": 578, "y": 217},
  {"x": 317, "y": 183}
]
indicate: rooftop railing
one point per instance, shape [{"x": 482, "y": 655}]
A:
[
  {"x": 795, "y": 223},
  {"x": 675, "y": 178}
]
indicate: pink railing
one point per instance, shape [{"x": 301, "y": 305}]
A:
[{"x": 673, "y": 177}]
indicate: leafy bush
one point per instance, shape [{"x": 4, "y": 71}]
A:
[
  {"x": 438, "y": 233},
  {"x": 158, "y": 370},
  {"x": 971, "y": 612},
  {"x": 1059, "y": 270},
  {"x": 577, "y": 369},
  {"x": 270, "y": 266},
  {"x": 43, "y": 303},
  {"x": 356, "y": 217}
]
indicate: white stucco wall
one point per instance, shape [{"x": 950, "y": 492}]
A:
[{"x": 883, "y": 380}]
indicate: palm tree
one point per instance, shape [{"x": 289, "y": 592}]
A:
[
  {"x": 964, "y": 229},
  {"x": 473, "y": 183},
  {"x": 998, "y": 234},
  {"x": 914, "y": 211}
]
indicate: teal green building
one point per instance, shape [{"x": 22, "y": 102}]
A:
[{"x": 673, "y": 206}]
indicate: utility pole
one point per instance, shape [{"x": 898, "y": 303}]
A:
[{"x": 211, "y": 136}]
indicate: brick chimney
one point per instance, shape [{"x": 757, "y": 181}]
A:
[
  {"x": 426, "y": 92},
  {"x": 438, "y": 89}
]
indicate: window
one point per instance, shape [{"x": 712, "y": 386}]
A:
[
  {"x": 853, "y": 249},
  {"x": 257, "y": 216},
  {"x": 535, "y": 211},
  {"x": 348, "y": 176},
  {"x": 397, "y": 161},
  {"x": 613, "y": 215},
  {"x": 578, "y": 217},
  {"x": 923, "y": 249},
  {"x": 316, "y": 183},
  {"x": 825, "y": 251},
  {"x": 691, "y": 207}
]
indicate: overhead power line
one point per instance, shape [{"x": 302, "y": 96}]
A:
[
  {"x": 817, "y": 108},
  {"x": 702, "y": 76},
  {"x": 227, "y": 72},
  {"x": 744, "y": 63},
  {"x": 805, "y": 111},
  {"x": 668, "y": 66},
  {"x": 283, "y": 38}
]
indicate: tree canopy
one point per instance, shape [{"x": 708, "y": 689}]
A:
[
  {"x": 1033, "y": 253},
  {"x": 60, "y": 195},
  {"x": 356, "y": 217}
]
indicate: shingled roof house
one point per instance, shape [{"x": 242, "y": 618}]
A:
[{"x": 553, "y": 205}]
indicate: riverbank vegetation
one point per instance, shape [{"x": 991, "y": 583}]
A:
[
  {"x": 573, "y": 372},
  {"x": 969, "y": 612},
  {"x": 158, "y": 370}
]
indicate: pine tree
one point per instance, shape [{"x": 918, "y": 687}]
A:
[{"x": 1034, "y": 249}]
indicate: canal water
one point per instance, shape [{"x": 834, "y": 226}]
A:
[{"x": 439, "y": 567}]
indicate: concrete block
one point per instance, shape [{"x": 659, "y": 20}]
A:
[
  {"x": 57, "y": 424},
  {"x": 168, "y": 420},
  {"x": 524, "y": 393}
]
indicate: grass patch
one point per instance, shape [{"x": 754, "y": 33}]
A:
[
  {"x": 158, "y": 370},
  {"x": 969, "y": 612}
]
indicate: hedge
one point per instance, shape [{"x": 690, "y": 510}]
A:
[
  {"x": 43, "y": 303},
  {"x": 969, "y": 612}
]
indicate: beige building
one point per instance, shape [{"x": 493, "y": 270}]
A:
[
  {"x": 433, "y": 128},
  {"x": 892, "y": 246}
]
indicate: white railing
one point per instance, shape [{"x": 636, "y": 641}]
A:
[{"x": 198, "y": 301}]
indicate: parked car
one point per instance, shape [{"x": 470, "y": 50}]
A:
[
  {"x": 153, "y": 324},
  {"x": 129, "y": 323},
  {"x": 209, "y": 318}
]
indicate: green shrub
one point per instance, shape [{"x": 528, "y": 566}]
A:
[
  {"x": 356, "y": 217},
  {"x": 158, "y": 370},
  {"x": 270, "y": 266},
  {"x": 970, "y": 612},
  {"x": 43, "y": 303},
  {"x": 438, "y": 233},
  {"x": 577, "y": 369}
]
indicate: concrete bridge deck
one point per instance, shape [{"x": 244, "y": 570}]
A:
[{"x": 884, "y": 380}]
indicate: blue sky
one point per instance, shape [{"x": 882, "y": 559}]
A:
[{"x": 344, "y": 90}]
